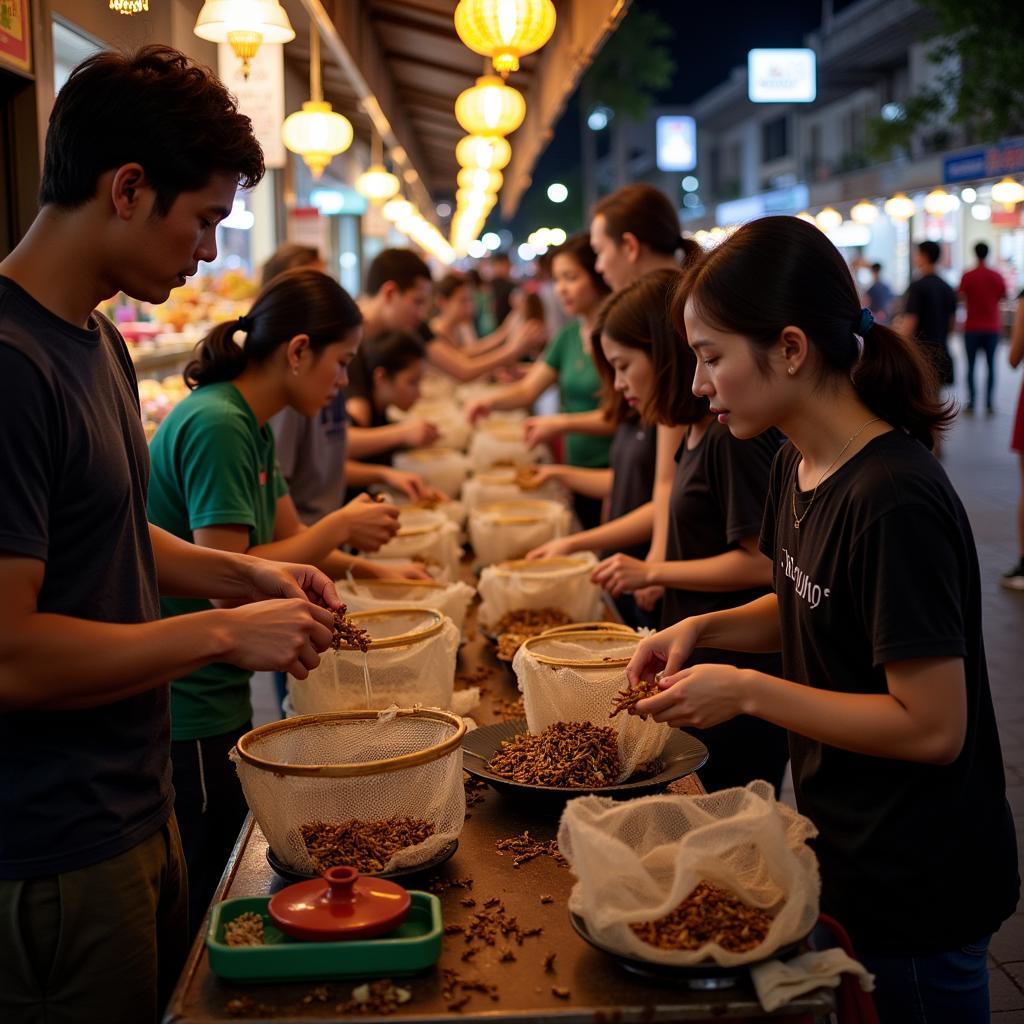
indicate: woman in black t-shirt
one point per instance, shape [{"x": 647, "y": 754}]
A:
[
  {"x": 877, "y": 612},
  {"x": 713, "y": 515}
]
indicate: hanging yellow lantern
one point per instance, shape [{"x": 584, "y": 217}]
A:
[
  {"x": 397, "y": 209},
  {"x": 939, "y": 202},
  {"x": 377, "y": 183},
  {"x": 864, "y": 213},
  {"x": 316, "y": 132},
  {"x": 505, "y": 30},
  {"x": 1008, "y": 192},
  {"x": 829, "y": 219},
  {"x": 245, "y": 25},
  {"x": 487, "y": 152},
  {"x": 476, "y": 179},
  {"x": 900, "y": 206},
  {"x": 490, "y": 107}
]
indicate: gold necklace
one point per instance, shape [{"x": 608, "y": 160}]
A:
[{"x": 798, "y": 519}]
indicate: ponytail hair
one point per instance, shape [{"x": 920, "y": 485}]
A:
[
  {"x": 778, "y": 272},
  {"x": 649, "y": 216},
  {"x": 300, "y": 301}
]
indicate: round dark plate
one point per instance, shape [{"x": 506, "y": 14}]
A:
[
  {"x": 682, "y": 755},
  {"x": 291, "y": 875},
  {"x": 703, "y": 975}
]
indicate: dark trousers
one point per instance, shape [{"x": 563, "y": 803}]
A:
[
  {"x": 210, "y": 808},
  {"x": 102, "y": 943},
  {"x": 987, "y": 342}
]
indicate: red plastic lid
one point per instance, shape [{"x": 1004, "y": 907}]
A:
[{"x": 340, "y": 905}]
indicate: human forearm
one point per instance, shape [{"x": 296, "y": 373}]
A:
[
  {"x": 731, "y": 570},
  {"x": 189, "y": 570},
  {"x": 632, "y": 528},
  {"x": 878, "y": 725},
  {"x": 593, "y": 423},
  {"x": 310, "y": 544},
  {"x": 362, "y": 474},
  {"x": 751, "y": 627},
  {"x": 365, "y": 441},
  {"x": 111, "y": 660},
  {"x": 593, "y": 483}
]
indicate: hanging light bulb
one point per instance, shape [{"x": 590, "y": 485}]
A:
[
  {"x": 489, "y": 153},
  {"x": 505, "y": 30},
  {"x": 316, "y": 132},
  {"x": 397, "y": 209},
  {"x": 244, "y": 24},
  {"x": 900, "y": 206},
  {"x": 476, "y": 179},
  {"x": 490, "y": 107},
  {"x": 377, "y": 183},
  {"x": 864, "y": 213},
  {"x": 829, "y": 219},
  {"x": 1008, "y": 192},
  {"x": 939, "y": 202},
  {"x": 129, "y": 7},
  {"x": 805, "y": 216}
]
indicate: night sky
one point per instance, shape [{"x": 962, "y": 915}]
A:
[{"x": 711, "y": 38}]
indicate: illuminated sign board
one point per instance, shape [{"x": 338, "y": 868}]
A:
[
  {"x": 676, "y": 139},
  {"x": 781, "y": 76}
]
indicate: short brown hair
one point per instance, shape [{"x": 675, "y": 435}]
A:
[
  {"x": 639, "y": 317},
  {"x": 647, "y": 214},
  {"x": 155, "y": 107},
  {"x": 402, "y": 266}
]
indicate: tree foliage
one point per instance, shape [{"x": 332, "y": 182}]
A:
[
  {"x": 634, "y": 65},
  {"x": 979, "y": 44}
]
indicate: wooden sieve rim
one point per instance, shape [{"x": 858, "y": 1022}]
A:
[
  {"x": 589, "y": 634},
  {"x": 411, "y": 637},
  {"x": 426, "y": 454},
  {"x": 418, "y": 531},
  {"x": 344, "y": 771},
  {"x": 524, "y": 565},
  {"x": 619, "y": 628}
]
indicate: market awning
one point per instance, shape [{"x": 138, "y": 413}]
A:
[{"x": 402, "y": 63}]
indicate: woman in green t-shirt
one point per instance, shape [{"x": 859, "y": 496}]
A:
[
  {"x": 215, "y": 482},
  {"x": 568, "y": 361}
]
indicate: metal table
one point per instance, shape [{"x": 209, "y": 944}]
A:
[{"x": 593, "y": 988}]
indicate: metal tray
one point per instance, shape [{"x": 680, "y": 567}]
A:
[
  {"x": 682, "y": 755},
  {"x": 706, "y": 975}
]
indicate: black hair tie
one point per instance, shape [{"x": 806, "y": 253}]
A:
[{"x": 245, "y": 323}]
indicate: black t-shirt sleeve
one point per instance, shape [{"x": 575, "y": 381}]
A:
[
  {"x": 912, "y": 299},
  {"x": 27, "y": 454},
  {"x": 907, "y": 570},
  {"x": 739, "y": 472}
]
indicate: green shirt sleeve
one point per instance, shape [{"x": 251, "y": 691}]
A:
[
  {"x": 220, "y": 470},
  {"x": 556, "y": 354}
]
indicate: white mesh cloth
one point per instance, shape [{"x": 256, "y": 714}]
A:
[
  {"x": 499, "y": 484},
  {"x": 437, "y": 387},
  {"x": 562, "y": 583},
  {"x": 454, "y": 429},
  {"x": 637, "y": 860},
  {"x": 583, "y": 688},
  {"x": 420, "y": 670},
  {"x": 369, "y": 595},
  {"x": 509, "y": 529},
  {"x": 501, "y": 443},
  {"x": 443, "y": 468},
  {"x": 283, "y": 802},
  {"x": 424, "y": 535}
]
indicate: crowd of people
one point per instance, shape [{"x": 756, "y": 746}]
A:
[{"x": 750, "y": 450}]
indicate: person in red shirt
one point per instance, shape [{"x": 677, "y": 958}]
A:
[{"x": 982, "y": 289}]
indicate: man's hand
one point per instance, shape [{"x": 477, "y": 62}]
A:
[
  {"x": 279, "y": 636},
  {"x": 701, "y": 696},
  {"x": 287, "y": 580},
  {"x": 621, "y": 574}
]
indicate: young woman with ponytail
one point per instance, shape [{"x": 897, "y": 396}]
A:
[
  {"x": 876, "y": 610},
  {"x": 215, "y": 482}
]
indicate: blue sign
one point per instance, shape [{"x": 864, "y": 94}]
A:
[
  {"x": 782, "y": 200},
  {"x": 986, "y": 162}
]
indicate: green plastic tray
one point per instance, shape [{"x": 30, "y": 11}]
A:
[{"x": 412, "y": 947}]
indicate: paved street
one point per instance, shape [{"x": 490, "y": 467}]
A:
[{"x": 985, "y": 474}]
